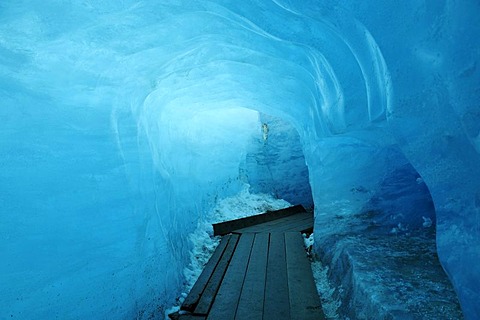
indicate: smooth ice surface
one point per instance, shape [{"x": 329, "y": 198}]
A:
[{"x": 123, "y": 122}]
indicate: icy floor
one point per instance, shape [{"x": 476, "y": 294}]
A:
[
  {"x": 383, "y": 276},
  {"x": 202, "y": 239}
]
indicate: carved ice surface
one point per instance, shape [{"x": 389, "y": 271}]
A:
[{"x": 124, "y": 122}]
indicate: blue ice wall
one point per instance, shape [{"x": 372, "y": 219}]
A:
[
  {"x": 98, "y": 191},
  {"x": 79, "y": 223},
  {"x": 275, "y": 163},
  {"x": 97, "y": 99}
]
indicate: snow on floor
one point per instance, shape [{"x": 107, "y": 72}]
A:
[
  {"x": 204, "y": 243},
  {"x": 244, "y": 204},
  {"x": 325, "y": 288}
]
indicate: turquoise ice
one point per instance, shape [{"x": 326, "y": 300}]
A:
[{"x": 123, "y": 122}]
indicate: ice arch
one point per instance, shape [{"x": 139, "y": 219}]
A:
[{"x": 83, "y": 191}]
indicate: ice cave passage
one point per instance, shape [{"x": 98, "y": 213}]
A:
[{"x": 114, "y": 143}]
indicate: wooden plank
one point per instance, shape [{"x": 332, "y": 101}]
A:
[
  {"x": 226, "y": 301},
  {"x": 264, "y": 227},
  {"x": 228, "y": 226},
  {"x": 295, "y": 225},
  {"x": 308, "y": 229},
  {"x": 292, "y": 222},
  {"x": 304, "y": 300},
  {"x": 279, "y": 222},
  {"x": 250, "y": 305},
  {"x": 291, "y": 218},
  {"x": 193, "y": 297},
  {"x": 276, "y": 305},
  {"x": 185, "y": 316},
  {"x": 305, "y": 227},
  {"x": 208, "y": 295},
  {"x": 297, "y": 221}
]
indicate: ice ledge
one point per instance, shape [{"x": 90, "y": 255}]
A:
[{"x": 387, "y": 276}]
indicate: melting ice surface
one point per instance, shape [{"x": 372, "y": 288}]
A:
[{"x": 125, "y": 122}]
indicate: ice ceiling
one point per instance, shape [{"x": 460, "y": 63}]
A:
[{"x": 124, "y": 121}]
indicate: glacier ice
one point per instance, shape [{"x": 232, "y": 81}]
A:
[
  {"x": 124, "y": 122},
  {"x": 275, "y": 163}
]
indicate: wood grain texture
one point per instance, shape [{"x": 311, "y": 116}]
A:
[
  {"x": 277, "y": 305},
  {"x": 304, "y": 301},
  {"x": 206, "y": 300},
  {"x": 228, "y": 226},
  {"x": 225, "y": 305},
  {"x": 252, "y": 297},
  {"x": 193, "y": 297}
]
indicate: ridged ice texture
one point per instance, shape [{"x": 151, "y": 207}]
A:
[
  {"x": 95, "y": 214},
  {"x": 275, "y": 163}
]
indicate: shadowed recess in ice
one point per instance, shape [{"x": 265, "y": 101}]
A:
[{"x": 123, "y": 122}]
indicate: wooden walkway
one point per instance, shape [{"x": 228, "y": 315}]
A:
[{"x": 259, "y": 270}]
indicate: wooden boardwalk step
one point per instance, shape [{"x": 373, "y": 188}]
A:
[
  {"x": 229, "y": 226},
  {"x": 260, "y": 272},
  {"x": 226, "y": 301},
  {"x": 304, "y": 301},
  {"x": 179, "y": 316},
  {"x": 208, "y": 296},
  {"x": 301, "y": 222},
  {"x": 277, "y": 303},
  {"x": 209, "y": 281},
  {"x": 250, "y": 305}
]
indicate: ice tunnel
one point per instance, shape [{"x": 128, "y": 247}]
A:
[{"x": 123, "y": 122}]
